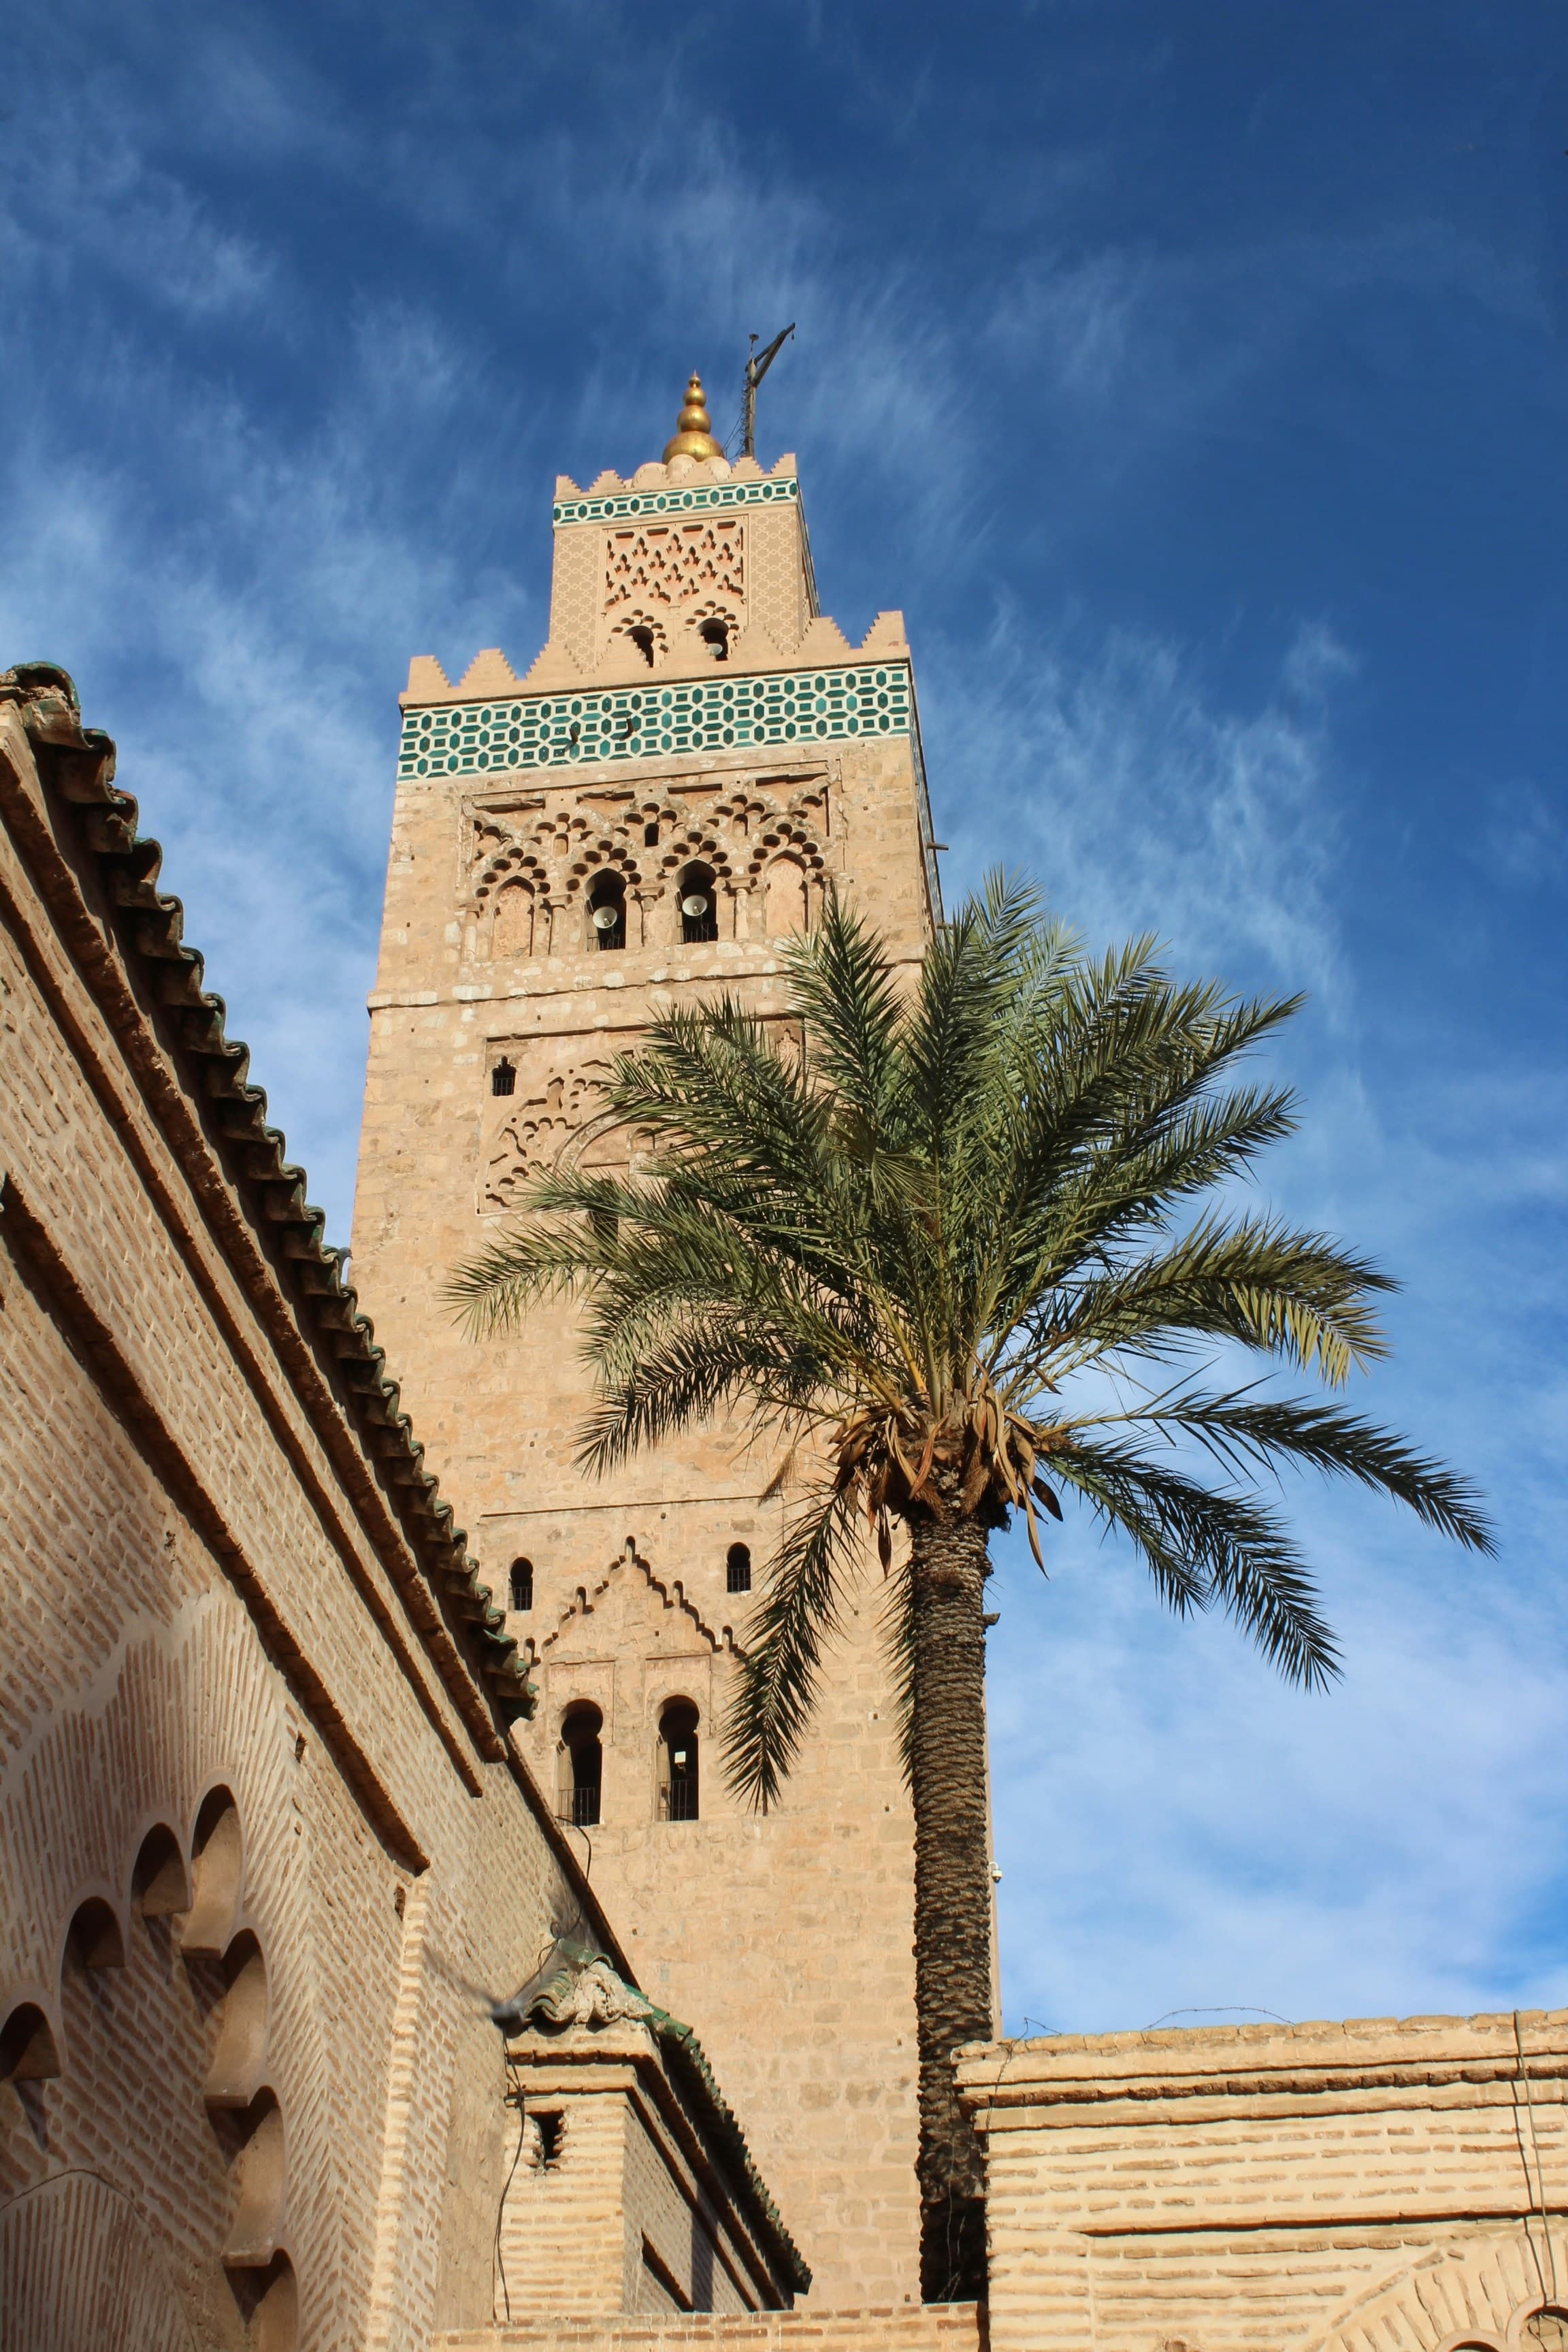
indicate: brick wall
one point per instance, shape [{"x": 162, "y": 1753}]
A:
[
  {"x": 238, "y": 1643},
  {"x": 1379, "y": 2186},
  {"x": 938, "y": 2327}
]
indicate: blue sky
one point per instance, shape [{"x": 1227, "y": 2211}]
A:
[{"x": 1194, "y": 379}]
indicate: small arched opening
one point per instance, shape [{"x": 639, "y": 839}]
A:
[
  {"x": 503, "y": 1076},
  {"x": 608, "y": 912},
  {"x": 699, "y": 902},
  {"x": 93, "y": 1939},
  {"x": 738, "y": 1568},
  {"x": 27, "y": 2048},
  {"x": 160, "y": 1882},
  {"x": 641, "y": 635},
  {"x": 216, "y": 1864},
  {"x": 715, "y": 635},
  {"x": 581, "y": 1765},
  {"x": 235, "y": 2071},
  {"x": 678, "y": 1780},
  {"x": 521, "y": 1582}
]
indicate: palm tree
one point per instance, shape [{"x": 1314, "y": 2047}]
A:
[{"x": 943, "y": 1248}]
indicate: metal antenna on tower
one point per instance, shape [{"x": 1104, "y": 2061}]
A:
[{"x": 757, "y": 367}]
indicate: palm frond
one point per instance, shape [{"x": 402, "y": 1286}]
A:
[
  {"x": 1244, "y": 1431},
  {"x": 1203, "y": 1548}
]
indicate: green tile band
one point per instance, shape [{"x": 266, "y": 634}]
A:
[
  {"x": 703, "y": 498},
  {"x": 555, "y": 731}
]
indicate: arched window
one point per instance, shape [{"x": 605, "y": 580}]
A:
[
  {"x": 607, "y": 911},
  {"x": 522, "y": 1584},
  {"x": 786, "y": 906},
  {"x": 641, "y": 635},
  {"x": 715, "y": 635},
  {"x": 677, "y": 1761},
  {"x": 513, "y": 931},
  {"x": 503, "y": 1076},
  {"x": 582, "y": 1765},
  {"x": 738, "y": 1568},
  {"x": 699, "y": 904}
]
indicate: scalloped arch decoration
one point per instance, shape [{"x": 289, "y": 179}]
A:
[{"x": 1453, "y": 2296}]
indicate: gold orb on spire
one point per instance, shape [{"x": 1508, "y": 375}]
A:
[{"x": 693, "y": 437}]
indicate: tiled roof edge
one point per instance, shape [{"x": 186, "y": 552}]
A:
[{"x": 252, "y": 1154}]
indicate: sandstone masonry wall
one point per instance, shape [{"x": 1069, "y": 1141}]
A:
[
  {"x": 1380, "y": 2186},
  {"x": 630, "y": 775}
]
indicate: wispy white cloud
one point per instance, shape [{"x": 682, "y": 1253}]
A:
[{"x": 1140, "y": 805}]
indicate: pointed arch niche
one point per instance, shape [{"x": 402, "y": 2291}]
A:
[
  {"x": 511, "y": 926},
  {"x": 786, "y": 906}
]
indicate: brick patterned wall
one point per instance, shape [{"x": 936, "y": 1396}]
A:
[
  {"x": 195, "y": 1599},
  {"x": 1375, "y": 2184},
  {"x": 938, "y": 2327}
]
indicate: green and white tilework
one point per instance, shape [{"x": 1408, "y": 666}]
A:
[
  {"x": 703, "y": 498},
  {"x": 557, "y": 730}
]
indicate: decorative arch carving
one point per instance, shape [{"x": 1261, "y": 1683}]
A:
[
  {"x": 1476, "y": 2293},
  {"x": 643, "y": 634},
  {"x": 539, "y": 1127}
]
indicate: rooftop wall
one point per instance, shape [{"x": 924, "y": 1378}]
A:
[{"x": 1379, "y": 2186}]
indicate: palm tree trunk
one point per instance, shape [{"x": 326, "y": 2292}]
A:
[{"x": 952, "y": 1889}]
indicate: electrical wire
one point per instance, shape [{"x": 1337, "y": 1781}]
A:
[
  {"x": 1538, "y": 2186},
  {"x": 500, "y": 2263}
]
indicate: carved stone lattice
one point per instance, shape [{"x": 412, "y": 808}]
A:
[
  {"x": 572, "y": 594},
  {"x": 669, "y": 563},
  {"x": 778, "y": 580}
]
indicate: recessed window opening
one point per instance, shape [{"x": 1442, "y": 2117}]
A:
[
  {"x": 522, "y": 1584},
  {"x": 650, "y": 836},
  {"x": 677, "y": 1761},
  {"x": 738, "y": 1568},
  {"x": 641, "y": 635},
  {"x": 549, "y": 2126},
  {"x": 608, "y": 912},
  {"x": 715, "y": 635},
  {"x": 503, "y": 1076},
  {"x": 699, "y": 904},
  {"x": 583, "y": 1778}
]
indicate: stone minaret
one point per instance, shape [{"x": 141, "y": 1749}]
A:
[{"x": 694, "y": 756}]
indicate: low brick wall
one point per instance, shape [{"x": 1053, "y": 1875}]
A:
[
  {"x": 939, "y": 2327},
  {"x": 1379, "y": 2186}
]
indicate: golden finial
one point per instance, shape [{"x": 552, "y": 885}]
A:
[{"x": 693, "y": 437}]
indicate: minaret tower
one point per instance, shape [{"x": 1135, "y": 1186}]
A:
[{"x": 695, "y": 756}]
